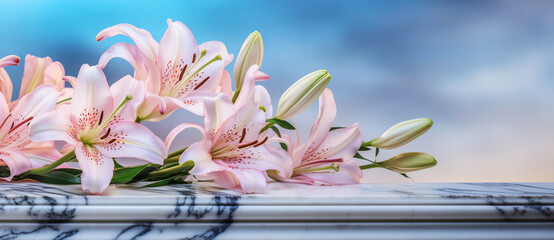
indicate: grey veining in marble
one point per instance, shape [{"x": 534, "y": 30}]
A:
[{"x": 285, "y": 211}]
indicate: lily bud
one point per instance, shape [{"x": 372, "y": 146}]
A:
[
  {"x": 409, "y": 162},
  {"x": 401, "y": 133},
  {"x": 302, "y": 94},
  {"x": 251, "y": 52}
]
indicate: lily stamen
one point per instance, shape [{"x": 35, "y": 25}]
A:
[
  {"x": 260, "y": 143},
  {"x": 248, "y": 144},
  {"x": 201, "y": 83},
  {"x": 20, "y": 124},
  {"x": 101, "y": 117},
  {"x": 243, "y": 135},
  {"x": 106, "y": 134},
  {"x": 183, "y": 83},
  {"x": 183, "y": 72}
]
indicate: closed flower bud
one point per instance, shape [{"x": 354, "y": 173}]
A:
[
  {"x": 409, "y": 162},
  {"x": 251, "y": 53},
  {"x": 401, "y": 133},
  {"x": 302, "y": 94}
]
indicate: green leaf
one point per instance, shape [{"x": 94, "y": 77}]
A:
[
  {"x": 72, "y": 171},
  {"x": 276, "y": 130},
  {"x": 335, "y": 128},
  {"x": 362, "y": 148},
  {"x": 282, "y": 123},
  {"x": 284, "y": 146},
  {"x": 359, "y": 156},
  {"x": 116, "y": 165},
  {"x": 5, "y": 171},
  {"x": 404, "y": 175},
  {"x": 125, "y": 175},
  {"x": 56, "y": 177}
]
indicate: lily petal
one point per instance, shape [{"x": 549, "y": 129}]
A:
[
  {"x": 153, "y": 108},
  {"x": 91, "y": 97},
  {"x": 261, "y": 96},
  {"x": 42, "y": 99},
  {"x": 16, "y": 161},
  {"x": 251, "y": 181},
  {"x": 97, "y": 169},
  {"x": 128, "y": 86},
  {"x": 9, "y": 60},
  {"x": 181, "y": 127},
  {"x": 54, "y": 74},
  {"x": 263, "y": 158},
  {"x": 33, "y": 73},
  {"x": 225, "y": 84},
  {"x": 325, "y": 118},
  {"x": 52, "y": 126},
  {"x": 41, "y": 156},
  {"x": 129, "y": 53},
  {"x": 192, "y": 102},
  {"x": 177, "y": 48},
  {"x": 142, "y": 38},
  {"x": 217, "y": 110},
  {"x": 340, "y": 143},
  {"x": 203, "y": 163},
  {"x": 6, "y": 86},
  {"x": 4, "y": 109},
  {"x": 349, "y": 173},
  {"x": 133, "y": 140}
]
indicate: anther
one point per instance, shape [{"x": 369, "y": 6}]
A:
[
  {"x": 20, "y": 124},
  {"x": 243, "y": 135},
  {"x": 106, "y": 134},
  {"x": 101, "y": 117},
  {"x": 193, "y": 57},
  {"x": 200, "y": 84},
  {"x": 111, "y": 141},
  {"x": 260, "y": 143},
  {"x": 248, "y": 144},
  {"x": 183, "y": 72}
]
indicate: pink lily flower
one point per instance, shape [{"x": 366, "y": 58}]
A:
[
  {"x": 16, "y": 149},
  {"x": 6, "y": 86},
  {"x": 327, "y": 156},
  {"x": 37, "y": 71},
  {"x": 232, "y": 152},
  {"x": 178, "y": 72},
  {"x": 99, "y": 128}
]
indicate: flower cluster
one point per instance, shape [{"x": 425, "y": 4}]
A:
[{"x": 243, "y": 145}]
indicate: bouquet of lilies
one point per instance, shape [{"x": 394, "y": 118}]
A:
[{"x": 243, "y": 145}]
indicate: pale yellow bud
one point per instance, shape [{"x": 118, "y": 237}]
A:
[
  {"x": 409, "y": 162},
  {"x": 401, "y": 133},
  {"x": 302, "y": 94},
  {"x": 251, "y": 53}
]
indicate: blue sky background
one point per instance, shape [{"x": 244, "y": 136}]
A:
[{"x": 482, "y": 70}]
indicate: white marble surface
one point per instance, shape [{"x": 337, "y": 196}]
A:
[{"x": 285, "y": 211}]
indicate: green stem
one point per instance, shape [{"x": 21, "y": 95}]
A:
[
  {"x": 37, "y": 171},
  {"x": 172, "y": 159},
  {"x": 267, "y": 126},
  {"x": 368, "y": 166},
  {"x": 64, "y": 100},
  {"x": 176, "y": 153},
  {"x": 179, "y": 168}
]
